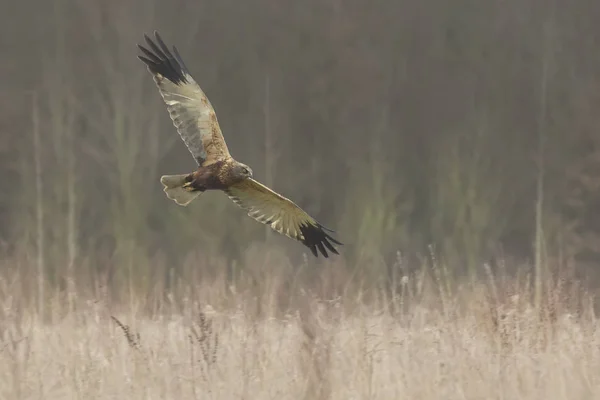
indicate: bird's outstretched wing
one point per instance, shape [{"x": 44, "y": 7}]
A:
[
  {"x": 281, "y": 214},
  {"x": 188, "y": 106}
]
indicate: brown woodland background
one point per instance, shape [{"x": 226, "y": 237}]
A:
[{"x": 465, "y": 129}]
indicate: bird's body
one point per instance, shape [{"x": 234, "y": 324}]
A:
[
  {"x": 196, "y": 122},
  {"x": 217, "y": 176}
]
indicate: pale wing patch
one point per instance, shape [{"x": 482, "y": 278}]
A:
[
  {"x": 189, "y": 108},
  {"x": 281, "y": 214},
  {"x": 268, "y": 207}
]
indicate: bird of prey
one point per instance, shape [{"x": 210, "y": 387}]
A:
[{"x": 196, "y": 121}]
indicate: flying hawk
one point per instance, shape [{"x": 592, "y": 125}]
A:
[{"x": 196, "y": 122}]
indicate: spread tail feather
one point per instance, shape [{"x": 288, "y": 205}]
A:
[{"x": 175, "y": 190}]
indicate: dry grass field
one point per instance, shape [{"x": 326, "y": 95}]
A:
[{"x": 213, "y": 340}]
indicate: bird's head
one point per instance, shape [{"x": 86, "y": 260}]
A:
[{"x": 242, "y": 170}]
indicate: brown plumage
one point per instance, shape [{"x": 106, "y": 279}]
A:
[{"x": 196, "y": 122}]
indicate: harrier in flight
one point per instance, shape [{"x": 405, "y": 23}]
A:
[{"x": 196, "y": 122}]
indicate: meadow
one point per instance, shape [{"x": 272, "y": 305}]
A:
[{"x": 285, "y": 334}]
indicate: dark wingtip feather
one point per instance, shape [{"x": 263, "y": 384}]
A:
[
  {"x": 315, "y": 238},
  {"x": 161, "y": 61}
]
